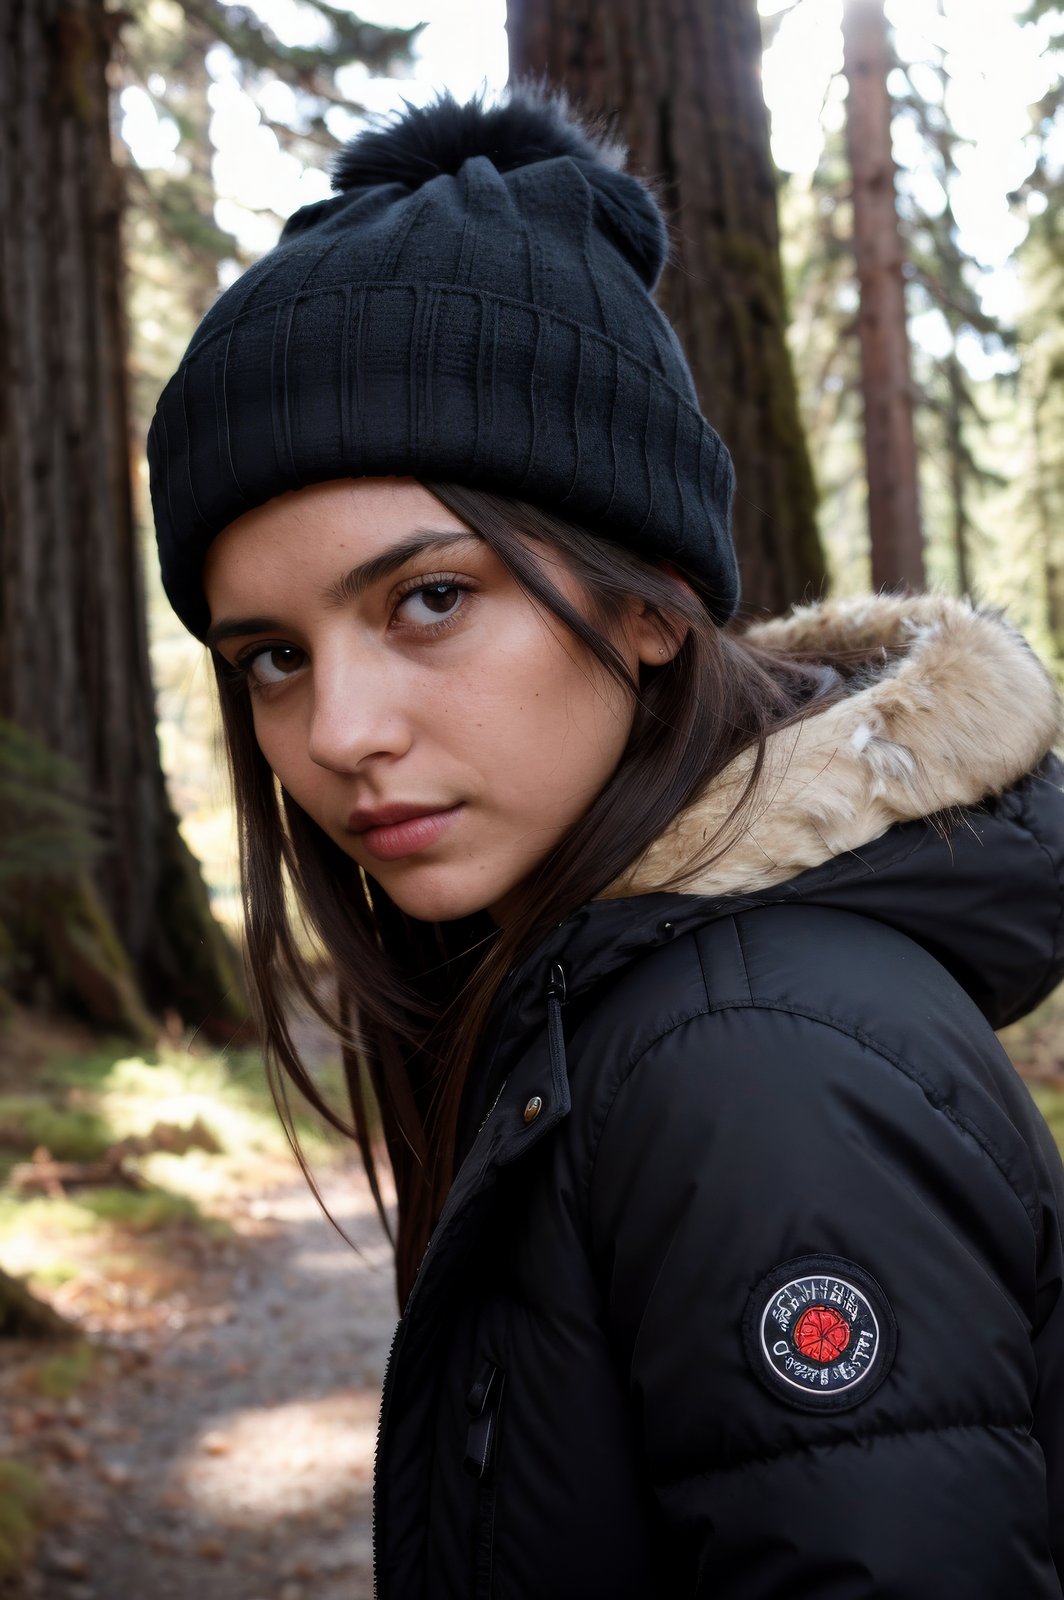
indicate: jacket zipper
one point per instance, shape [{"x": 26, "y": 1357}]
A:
[
  {"x": 386, "y": 1393},
  {"x": 491, "y": 1108},
  {"x": 377, "y": 1449},
  {"x": 555, "y": 999}
]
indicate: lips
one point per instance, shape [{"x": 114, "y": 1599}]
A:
[
  {"x": 391, "y": 832},
  {"x": 368, "y": 817}
]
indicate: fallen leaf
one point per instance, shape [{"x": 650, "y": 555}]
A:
[
  {"x": 67, "y": 1446},
  {"x": 68, "y": 1561}
]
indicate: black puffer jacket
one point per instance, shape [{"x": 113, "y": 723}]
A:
[{"x": 750, "y": 1283}]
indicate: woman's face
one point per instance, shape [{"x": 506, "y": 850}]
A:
[{"x": 434, "y": 721}]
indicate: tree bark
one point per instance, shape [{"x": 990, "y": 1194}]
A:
[
  {"x": 1047, "y": 526},
  {"x": 684, "y": 81},
  {"x": 22, "y": 1316},
  {"x": 886, "y": 375},
  {"x": 73, "y": 638},
  {"x": 959, "y": 469}
]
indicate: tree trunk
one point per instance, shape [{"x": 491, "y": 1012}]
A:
[
  {"x": 73, "y": 640},
  {"x": 24, "y": 1317},
  {"x": 1047, "y": 530},
  {"x": 886, "y": 377},
  {"x": 957, "y": 456},
  {"x": 685, "y": 82}
]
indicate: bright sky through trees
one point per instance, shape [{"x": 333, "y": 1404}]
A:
[{"x": 995, "y": 70}]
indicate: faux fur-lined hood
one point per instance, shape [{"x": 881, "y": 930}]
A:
[{"x": 960, "y": 710}]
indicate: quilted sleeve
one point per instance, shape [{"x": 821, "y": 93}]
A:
[{"x": 823, "y": 1288}]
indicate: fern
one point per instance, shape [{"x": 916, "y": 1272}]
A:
[{"x": 45, "y": 823}]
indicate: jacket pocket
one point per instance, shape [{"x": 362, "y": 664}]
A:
[{"x": 483, "y": 1403}]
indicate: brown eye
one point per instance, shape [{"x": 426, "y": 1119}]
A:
[
  {"x": 274, "y": 664},
  {"x": 440, "y": 598},
  {"x": 430, "y": 603}
]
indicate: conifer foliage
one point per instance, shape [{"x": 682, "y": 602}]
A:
[{"x": 174, "y": 242}]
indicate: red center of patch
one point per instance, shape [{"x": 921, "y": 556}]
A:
[{"x": 821, "y": 1334}]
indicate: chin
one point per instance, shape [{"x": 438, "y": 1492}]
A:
[{"x": 439, "y": 897}]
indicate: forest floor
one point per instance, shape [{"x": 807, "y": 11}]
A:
[{"x": 210, "y": 1434}]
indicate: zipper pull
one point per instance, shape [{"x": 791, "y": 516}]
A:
[
  {"x": 482, "y": 1404},
  {"x": 555, "y": 1031}
]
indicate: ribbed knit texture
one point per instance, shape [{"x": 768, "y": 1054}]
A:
[{"x": 492, "y": 328}]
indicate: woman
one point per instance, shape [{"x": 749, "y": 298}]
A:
[{"x": 729, "y": 1244}]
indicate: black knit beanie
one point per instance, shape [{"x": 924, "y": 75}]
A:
[{"x": 473, "y": 305}]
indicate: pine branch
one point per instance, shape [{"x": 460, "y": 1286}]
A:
[{"x": 252, "y": 40}]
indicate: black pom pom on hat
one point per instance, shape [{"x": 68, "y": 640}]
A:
[
  {"x": 438, "y": 139},
  {"x": 472, "y": 304}
]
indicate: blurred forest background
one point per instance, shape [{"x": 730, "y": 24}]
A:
[{"x": 868, "y": 276}]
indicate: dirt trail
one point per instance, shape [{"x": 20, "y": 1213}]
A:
[{"x": 230, "y": 1454}]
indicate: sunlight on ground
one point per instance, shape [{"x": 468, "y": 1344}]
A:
[
  {"x": 227, "y": 1093},
  {"x": 131, "y": 1238},
  {"x": 283, "y": 1460},
  {"x": 301, "y": 1206}
]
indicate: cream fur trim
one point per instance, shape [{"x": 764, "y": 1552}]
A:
[{"x": 964, "y": 713}]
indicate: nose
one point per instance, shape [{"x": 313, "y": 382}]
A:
[{"x": 357, "y": 713}]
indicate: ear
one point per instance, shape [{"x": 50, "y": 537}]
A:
[
  {"x": 658, "y": 635},
  {"x": 655, "y": 635}
]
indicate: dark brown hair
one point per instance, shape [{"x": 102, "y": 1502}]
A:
[{"x": 405, "y": 1038}]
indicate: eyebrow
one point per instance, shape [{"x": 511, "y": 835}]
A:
[
  {"x": 353, "y": 583},
  {"x": 363, "y": 577}
]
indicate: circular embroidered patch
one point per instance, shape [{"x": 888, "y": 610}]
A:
[{"x": 819, "y": 1333}]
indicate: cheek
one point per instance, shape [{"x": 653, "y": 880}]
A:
[
  {"x": 555, "y": 723},
  {"x": 283, "y": 743}
]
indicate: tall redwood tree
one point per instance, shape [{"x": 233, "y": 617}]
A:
[
  {"x": 684, "y": 80},
  {"x": 73, "y": 643},
  {"x": 879, "y": 252}
]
